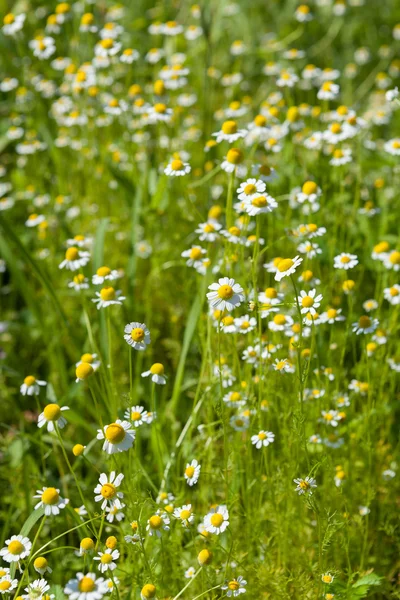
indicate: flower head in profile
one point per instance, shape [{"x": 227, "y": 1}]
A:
[
  {"x": 51, "y": 416},
  {"x": 156, "y": 372},
  {"x": 286, "y": 267},
  {"x": 118, "y": 436},
  {"x": 157, "y": 523},
  {"x": 137, "y": 335},
  {"x": 50, "y": 500},
  {"x": 235, "y": 587},
  {"x": 31, "y": 386},
  {"x": 226, "y": 294},
  {"x": 74, "y": 259},
  {"x": 192, "y": 472},
  {"x": 177, "y": 168},
  {"x": 108, "y": 296}
]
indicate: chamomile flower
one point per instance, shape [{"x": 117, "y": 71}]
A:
[
  {"x": 262, "y": 438},
  {"x": 7, "y": 584},
  {"x": 74, "y": 259},
  {"x": 156, "y": 372},
  {"x": 229, "y": 132},
  {"x": 234, "y": 587},
  {"x": 305, "y": 486},
  {"x": 192, "y": 473},
  {"x": 106, "y": 560},
  {"x": 16, "y": 548},
  {"x": 250, "y": 189},
  {"x": 184, "y": 514},
  {"x": 137, "y": 335},
  {"x": 177, "y": 168},
  {"x": 86, "y": 587},
  {"x": 217, "y": 520},
  {"x": 107, "y": 297},
  {"x": 392, "y": 294},
  {"x": 31, "y": 386},
  {"x": 118, "y": 436},
  {"x": 283, "y": 366},
  {"x": 50, "y": 500},
  {"x": 13, "y": 23},
  {"x": 232, "y": 160},
  {"x": 194, "y": 255},
  {"x": 115, "y": 512},
  {"x": 90, "y": 359},
  {"x": 107, "y": 489},
  {"x": 365, "y": 325},
  {"x": 226, "y": 294},
  {"x": 208, "y": 231},
  {"x": 79, "y": 282},
  {"x": 260, "y": 204},
  {"x": 157, "y": 523},
  {"x": 309, "y": 301},
  {"x": 345, "y": 261},
  {"x": 51, "y": 416},
  {"x": 104, "y": 274},
  {"x": 137, "y": 415},
  {"x": 190, "y": 573},
  {"x": 286, "y": 267},
  {"x": 36, "y": 589}
]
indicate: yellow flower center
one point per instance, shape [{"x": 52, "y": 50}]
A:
[
  {"x": 217, "y": 520},
  {"x": 87, "y": 544},
  {"x": 279, "y": 319},
  {"x": 307, "y": 301},
  {"x": 260, "y": 121},
  {"x": 80, "y": 278},
  {"x": 15, "y": 547},
  {"x": 115, "y": 433},
  {"x": 189, "y": 472},
  {"x": 176, "y": 164},
  {"x": 364, "y": 322},
  {"x": 336, "y": 128},
  {"x": 106, "y": 559},
  {"x": 262, "y": 436},
  {"x": 160, "y": 108},
  {"x": 185, "y": 514},
  {"x": 304, "y": 484},
  {"x": 260, "y": 202},
  {"x": 148, "y": 590},
  {"x": 135, "y": 415},
  {"x": 8, "y": 19},
  {"x": 50, "y": 496},
  {"x": 395, "y": 257},
  {"x": 195, "y": 253},
  {"x": 394, "y": 291},
  {"x": 233, "y": 585},
  {"x": 155, "y": 522},
  {"x": 345, "y": 259},
  {"x": 229, "y": 127},
  {"x": 234, "y": 156},
  {"x": 108, "y": 490},
  {"x": 157, "y": 369},
  {"x": 103, "y": 271},
  {"x": 52, "y": 412},
  {"x": 331, "y": 313},
  {"x": 225, "y": 292},
  {"x": 265, "y": 170},
  {"x": 107, "y": 43},
  {"x": 285, "y": 264},
  {"x": 30, "y": 380},
  {"x": 310, "y": 187},
  {"x": 137, "y": 334},
  {"x": 72, "y": 253},
  {"x": 86, "y": 584},
  {"x": 84, "y": 370},
  {"x": 107, "y": 293}
]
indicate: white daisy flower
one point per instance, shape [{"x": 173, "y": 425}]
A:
[
  {"x": 118, "y": 436},
  {"x": 36, "y": 589},
  {"x": 79, "y": 282},
  {"x": 106, "y": 560},
  {"x": 137, "y": 415},
  {"x": 17, "y": 548},
  {"x": 192, "y": 472},
  {"x": 263, "y": 438},
  {"x": 86, "y": 587},
  {"x": 7, "y": 584},
  {"x": 51, "y": 416},
  {"x": 208, "y": 231},
  {"x": 250, "y": 189},
  {"x": 308, "y": 301},
  {"x": 217, "y": 520},
  {"x": 104, "y": 274},
  {"x": 31, "y": 386},
  {"x": 108, "y": 296},
  {"x": 235, "y": 587},
  {"x": 286, "y": 267},
  {"x": 74, "y": 259},
  {"x": 194, "y": 255},
  {"x": 50, "y": 500},
  {"x": 283, "y": 366},
  {"x": 157, "y": 523},
  {"x": 156, "y": 372},
  {"x": 229, "y": 132},
  {"x": 260, "y": 204},
  {"x": 137, "y": 335},
  {"x": 13, "y": 23},
  {"x": 184, "y": 514},
  {"x": 365, "y": 325},
  {"x": 107, "y": 489},
  {"x": 305, "y": 486},
  {"x": 177, "y": 168},
  {"x": 345, "y": 261},
  {"x": 226, "y": 294},
  {"x": 392, "y": 294},
  {"x": 115, "y": 512}
]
